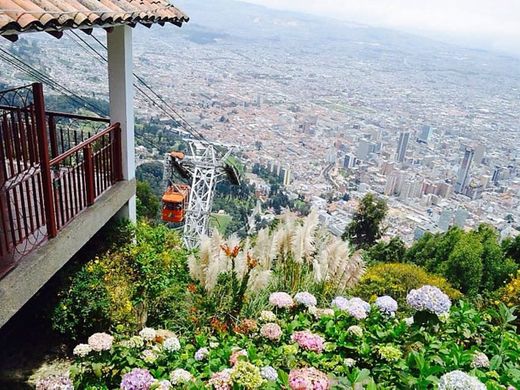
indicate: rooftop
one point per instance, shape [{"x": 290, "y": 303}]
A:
[{"x": 54, "y": 16}]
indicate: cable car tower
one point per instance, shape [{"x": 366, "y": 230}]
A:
[{"x": 204, "y": 167}]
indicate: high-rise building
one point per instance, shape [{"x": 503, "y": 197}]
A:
[
  {"x": 463, "y": 173},
  {"x": 424, "y": 134},
  {"x": 393, "y": 183},
  {"x": 460, "y": 217},
  {"x": 400, "y": 154},
  {"x": 445, "y": 219},
  {"x": 480, "y": 150},
  {"x": 330, "y": 155},
  {"x": 363, "y": 149},
  {"x": 285, "y": 175},
  {"x": 496, "y": 176},
  {"x": 349, "y": 161}
]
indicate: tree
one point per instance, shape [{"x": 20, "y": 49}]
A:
[
  {"x": 392, "y": 251},
  {"x": 147, "y": 203},
  {"x": 365, "y": 228},
  {"x": 464, "y": 266},
  {"x": 453, "y": 254},
  {"x": 432, "y": 251},
  {"x": 497, "y": 267},
  {"x": 511, "y": 247}
]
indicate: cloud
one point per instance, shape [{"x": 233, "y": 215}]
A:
[{"x": 489, "y": 23}]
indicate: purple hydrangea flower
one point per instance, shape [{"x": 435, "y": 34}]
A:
[
  {"x": 201, "y": 354},
  {"x": 429, "y": 298},
  {"x": 305, "y": 298},
  {"x": 386, "y": 305},
  {"x": 356, "y": 307},
  {"x": 137, "y": 379},
  {"x": 340, "y": 302}
]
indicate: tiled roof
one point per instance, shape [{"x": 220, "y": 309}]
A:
[{"x": 17, "y": 16}]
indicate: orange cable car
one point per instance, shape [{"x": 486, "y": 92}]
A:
[{"x": 175, "y": 203}]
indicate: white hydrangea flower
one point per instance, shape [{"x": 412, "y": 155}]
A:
[
  {"x": 429, "y": 298},
  {"x": 162, "y": 385},
  {"x": 171, "y": 344},
  {"x": 148, "y": 334},
  {"x": 408, "y": 321},
  {"x": 349, "y": 362},
  {"x": 480, "y": 360},
  {"x": 386, "y": 305},
  {"x": 269, "y": 373},
  {"x": 458, "y": 380},
  {"x": 82, "y": 350},
  {"x": 179, "y": 376},
  {"x": 148, "y": 356},
  {"x": 267, "y": 316},
  {"x": 355, "y": 330}
]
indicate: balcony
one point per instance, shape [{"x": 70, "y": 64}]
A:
[{"x": 54, "y": 168}]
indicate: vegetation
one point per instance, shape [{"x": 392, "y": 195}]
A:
[
  {"x": 326, "y": 348},
  {"x": 148, "y": 204},
  {"x": 152, "y": 173},
  {"x": 510, "y": 294},
  {"x": 132, "y": 284},
  {"x": 397, "y": 279},
  {"x": 365, "y": 228},
  {"x": 393, "y": 251},
  {"x": 473, "y": 261},
  {"x": 293, "y": 305}
]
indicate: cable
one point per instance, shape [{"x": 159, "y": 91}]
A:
[
  {"x": 31, "y": 71},
  {"x": 47, "y": 80},
  {"x": 191, "y": 129}
]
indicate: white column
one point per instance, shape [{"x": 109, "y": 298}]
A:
[{"x": 121, "y": 93}]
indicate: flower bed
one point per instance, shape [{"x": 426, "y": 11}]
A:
[{"x": 304, "y": 348}]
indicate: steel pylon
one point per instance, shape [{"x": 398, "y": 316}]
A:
[{"x": 205, "y": 167}]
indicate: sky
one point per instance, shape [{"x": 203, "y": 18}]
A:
[{"x": 488, "y": 24}]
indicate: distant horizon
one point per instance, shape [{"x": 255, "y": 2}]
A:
[{"x": 477, "y": 24}]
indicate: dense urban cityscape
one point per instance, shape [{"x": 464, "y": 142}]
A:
[{"x": 431, "y": 127}]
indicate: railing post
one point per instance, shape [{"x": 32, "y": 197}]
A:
[
  {"x": 43, "y": 146},
  {"x": 52, "y": 135},
  {"x": 117, "y": 154},
  {"x": 89, "y": 174}
]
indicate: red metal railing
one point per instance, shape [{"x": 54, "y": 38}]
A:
[{"x": 52, "y": 166}]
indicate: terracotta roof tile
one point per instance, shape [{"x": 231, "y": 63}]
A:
[{"x": 18, "y": 16}]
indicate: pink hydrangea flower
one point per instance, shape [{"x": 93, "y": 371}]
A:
[
  {"x": 233, "y": 359},
  {"x": 281, "y": 300},
  {"x": 221, "y": 380},
  {"x": 100, "y": 342},
  {"x": 308, "y": 379},
  {"x": 271, "y": 331},
  {"x": 308, "y": 340}
]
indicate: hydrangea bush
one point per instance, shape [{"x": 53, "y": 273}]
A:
[{"x": 297, "y": 349}]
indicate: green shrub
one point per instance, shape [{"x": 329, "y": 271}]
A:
[
  {"x": 474, "y": 262},
  {"x": 141, "y": 281},
  {"x": 397, "y": 279}
]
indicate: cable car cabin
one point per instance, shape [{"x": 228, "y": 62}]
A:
[{"x": 175, "y": 203}]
